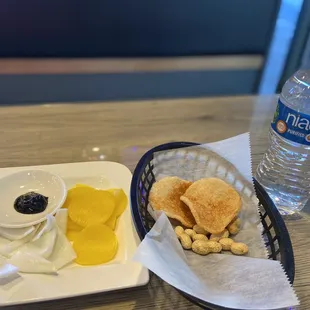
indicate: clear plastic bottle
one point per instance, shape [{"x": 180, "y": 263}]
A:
[{"x": 285, "y": 168}]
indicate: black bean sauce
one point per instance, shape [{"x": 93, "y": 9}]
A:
[{"x": 30, "y": 203}]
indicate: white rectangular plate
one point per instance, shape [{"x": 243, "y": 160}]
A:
[{"x": 76, "y": 280}]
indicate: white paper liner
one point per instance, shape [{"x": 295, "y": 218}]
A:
[
  {"x": 194, "y": 163},
  {"x": 251, "y": 282}
]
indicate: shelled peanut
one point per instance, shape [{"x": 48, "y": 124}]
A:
[
  {"x": 218, "y": 237},
  {"x": 234, "y": 227},
  {"x": 205, "y": 247},
  {"x": 186, "y": 241},
  {"x": 200, "y": 237},
  {"x": 239, "y": 248},
  {"x": 197, "y": 240},
  {"x": 226, "y": 243}
]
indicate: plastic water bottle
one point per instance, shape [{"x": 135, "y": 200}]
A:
[{"x": 285, "y": 168}]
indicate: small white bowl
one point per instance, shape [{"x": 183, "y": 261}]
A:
[{"x": 39, "y": 181}]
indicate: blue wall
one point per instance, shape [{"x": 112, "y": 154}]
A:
[
  {"x": 127, "y": 86},
  {"x": 135, "y": 27}
]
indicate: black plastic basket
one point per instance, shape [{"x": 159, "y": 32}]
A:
[{"x": 275, "y": 232}]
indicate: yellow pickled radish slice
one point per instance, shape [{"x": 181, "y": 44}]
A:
[
  {"x": 89, "y": 206},
  {"x": 72, "y": 229},
  {"x": 111, "y": 222},
  {"x": 73, "y": 226},
  {"x": 71, "y": 234},
  {"x": 96, "y": 244},
  {"x": 65, "y": 205},
  {"x": 120, "y": 200}
]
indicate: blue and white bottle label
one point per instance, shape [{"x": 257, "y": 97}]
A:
[{"x": 291, "y": 125}]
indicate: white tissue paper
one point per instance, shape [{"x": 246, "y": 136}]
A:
[{"x": 251, "y": 282}]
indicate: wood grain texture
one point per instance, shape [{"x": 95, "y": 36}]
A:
[{"x": 123, "y": 131}]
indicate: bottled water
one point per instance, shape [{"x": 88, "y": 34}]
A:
[{"x": 285, "y": 168}]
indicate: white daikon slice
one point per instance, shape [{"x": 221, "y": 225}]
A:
[
  {"x": 43, "y": 246},
  {"x": 8, "y": 247},
  {"x": 61, "y": 219},
  {"x": 31, "y": 263},
  {"x": 45, "y": 227},
  {"x": 63, "y": 252},
  {"x": 15, "y": 233}
]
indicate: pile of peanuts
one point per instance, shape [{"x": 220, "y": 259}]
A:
[{"x": 203, "y": 243}]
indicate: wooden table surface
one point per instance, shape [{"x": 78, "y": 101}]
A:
[{"x": 123, "y": 131}]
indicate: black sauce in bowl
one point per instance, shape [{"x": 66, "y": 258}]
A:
[{"x": 31, "y": 203}]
